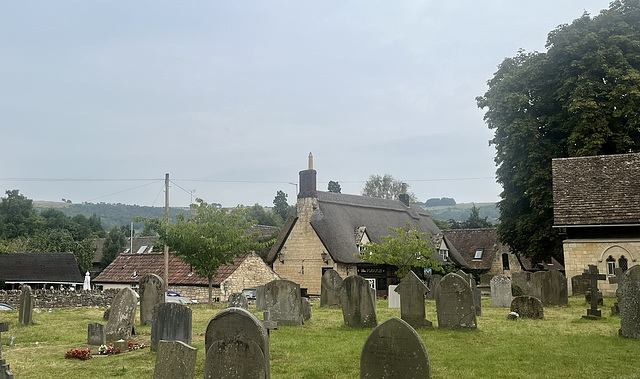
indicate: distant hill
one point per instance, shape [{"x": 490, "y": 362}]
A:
[{"x": 461, "y": 211}]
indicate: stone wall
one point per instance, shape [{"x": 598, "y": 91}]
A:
[{"x": 60, "y": 299}]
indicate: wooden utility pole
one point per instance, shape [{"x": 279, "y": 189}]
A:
[{"x": 166, "y": 247}]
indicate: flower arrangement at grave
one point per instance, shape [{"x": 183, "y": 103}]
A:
[
  {"x": 136, "y": 346},
  {"x": 78, "y": 354},
  {"x": 109, "y": 350}
]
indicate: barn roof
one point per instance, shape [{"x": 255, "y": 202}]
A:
[{"x": 39, "y": 268}]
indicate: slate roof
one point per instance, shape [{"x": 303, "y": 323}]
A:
[
  {"x": 339, "y": 216},
  {"x": 138, "y": 243},
  {"x": 130, "y": 268},
  {"x": 467, "y": 241},
  {"x": 597, "y": 190},
  {"x": 40, "y": 268}
]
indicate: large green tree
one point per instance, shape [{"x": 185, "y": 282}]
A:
[
  {"x": 281, "y": 205},
  {"x": 114, "y": 244},
  {"x": 386, "y": 187},
  {"x": 581, "y": 97},
  {"x": 18, "y": 218}
]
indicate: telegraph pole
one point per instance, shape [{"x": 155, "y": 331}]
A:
[{"x": 166, "y": 247}]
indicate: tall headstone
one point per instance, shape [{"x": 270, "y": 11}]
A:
[
  {"x": 412, "y": 291},
  {"x": 306, "y": 309},
  {"x": 434, "y": 286},
  {"x": 394, "y": 350},
  {"x": 25, "y": 313},
  {"x": 477, "y": 294},
  {"x": 171, "y": 322},
  {"x": 527, "y": 307},
  {"x": 501, "y": 292},
  {"x": 5, "y": 372},
  {"x": 554, "y": 289},
  {"x": 238, "y": 300},
  {"x": 455, "y": 304},
  {"x": 394, "y": 297},
  {"x": 537, "y": 280},
  {"x": 96, "y": 335},
  {"x": 357, "y": 300},
  {"x": 175, "y": 360},
  {"x": 593, "y": 276},
  {"x": 261, "y": 299},
  {"x": 521, "y": 281},
  {"x": 230, "y": 336},
  {"x": 151, "y": 289},
  {"x": 330, "y": 289},
  {"x": 122, "y": 316},
  {"x": 629, "y": 303},
  {"x": 579, "y": 285},
  {"x": 284, "y": 302}
]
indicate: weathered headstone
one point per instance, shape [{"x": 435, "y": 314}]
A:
[
  {"x": 175, "y": 360},
  {"x": 228, "y": 334},
  {"x": 434, "y": 286},
  {"x": 96, "y": 334},
  {"x": 151, "y": 294},
  {"x": 394, "y": 297},
  {"x": 25, "y": 313},
  {"x": 537, "y": 280},
  {"x": 171, "y": 322},
  {"x": 5, "y": 372},
  {"x": 501, "y": 292},
  {"x": 521, "y": 282},
  {"x": 394, "y": 350},
  {"x": 455, "y": 304},
  {"x": 238, "y": 300},
  {"x": 615, "y": 309},
  {"x": 475, "y": 291},
  {"x": 261, "y": 300},
  {"x": 593, "y": 276},
  {"x": 579, "y": 285},
  {"x": 527, "y": 307},
  {"x": 412, "y": 291},
  {"x": 629, "y": 303},
  {"x": 554, "y": 289},
  {"x": 284, "y": 302},
  {"x": 330, "y": 289},
  {"x": 356, "y": 298},
  {"x": 122, "y": 316},
  {"x": 306, "y": 309}
]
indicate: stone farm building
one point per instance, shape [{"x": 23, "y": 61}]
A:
[
  {"x": 39, "y": 270},
  {"x": 248, "y": 271},
  {"x": 596, "y": 207},
  {"x": 329, "y": 228}
]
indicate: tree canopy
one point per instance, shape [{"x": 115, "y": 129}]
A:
[
  {"x": 581, "y": 97},
  {"x": 386, "y": 187},
  {"x": 334, "y": 187},
  {"x": 281, "y": 206}
]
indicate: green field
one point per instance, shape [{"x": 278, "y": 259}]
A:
[{"x": 563, "y": 345}]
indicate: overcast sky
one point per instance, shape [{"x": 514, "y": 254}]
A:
[{"x": 99, "y": 99}]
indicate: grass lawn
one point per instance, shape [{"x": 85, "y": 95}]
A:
[{"x": 563, "y": 345}]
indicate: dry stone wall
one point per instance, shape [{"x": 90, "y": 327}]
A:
[{"x": 61, "y": 299}]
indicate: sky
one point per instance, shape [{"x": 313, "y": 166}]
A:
[{"x": 100, "y": 99}]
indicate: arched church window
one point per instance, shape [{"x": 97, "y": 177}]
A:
[
  {"x": 623, "y": 263},
  {"x": 611, "y": 265}
]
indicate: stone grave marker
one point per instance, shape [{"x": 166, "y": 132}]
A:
[
  {"x": 593, "y": 276},
  {"x": 501, "y": 292},
  {"x": 527, "y": 307},
  {"x": 25, "y": 313},
  {"x": 537, "y": 279},
  {"x": 394, "y": 297},
  {"x": 434, "y": 286},
  {"x": 96, "y": 335},
  {"x": 357, "y": 300},
  {"x": 232, "y": 335},
  {"x": 284, "y": 302},
  {"x": 554, "y": 289},
  {"x": 412, "y": 290},
  {"x": 238, "y": 300},
  {"x": 151, "y": 290},
  {"x": 261, "y": 301},
  {"x": 629, "y": 303},
  {"x": 330, "y": 289},
  {"x": 477, "y": 294},
  {"x": 122, "y": 315},
  {"x": 5, "y": 372},
  {"x": 579, "y": 285},
  {"x": 521, "y": 280},
  {"x": 455, "y": 304},
  {"x": 394, "y": 350},
  {"x": 171, "y": 322},
  {"x": 175, "y": 360},
  {"x": 306, "y": 309},
  {"x": 615, "y": 309}
]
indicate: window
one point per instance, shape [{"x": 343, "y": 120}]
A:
[
  {"x": 505, "y": 261},
  {"x": 623, "y": 263},
  {"x": 611, "y": 265},
  {"x": 445, "y": 255},
  {"x": 478, "y": 255}
]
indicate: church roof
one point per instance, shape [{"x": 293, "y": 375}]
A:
[{"x": 39, "y": 268}]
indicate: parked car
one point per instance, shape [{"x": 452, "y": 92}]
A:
[
  {"x": 179, "y": 299},
  {"x": 250, "y": 293},
  {"x": 6, "y": 307}
]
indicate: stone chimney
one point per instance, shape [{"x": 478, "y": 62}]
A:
[
  {"x": 404, "y": 197},
  {"x": 308, "y": 181}
]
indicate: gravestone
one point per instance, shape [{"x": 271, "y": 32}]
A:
[
  {"x": 234, "y": 359},
  {"x": 122, "y": 316},
  {"x": 330, "y": 289},
  {"x": 5, "y": 372},
  {"x": 455, "y": 304},
  {"x": 25, "y": 314},
  {"x": 477, "y": 294},
  {"x": 175, "y": 360},
  {"x": 527, "y": 307},
  {"x": 306, "y": 309},
  {"x": 394, "y": 350},
  {"x": 284, "y": 302},
  {"x": 96, "y": 335},
  {"x": 501, "y": 292},
  {"x": 629, "y": 303},
  {"x": 261, "y": 301},
  {"x": 554, "y": 289},
  {"x": 521, "y": 280},
  {"x": 171, "y": 322},
  {"x": 238, "y": 300},
  {"x": 593, "y": 276},
  {"x": 434, "y": 286},
  {"x": 357, "y": 300},
  {"x": 615, "y": 309},
  {"x": 229, "y": 326},
  {"x": 151, "y": 294},
  {"x": 579, "y": 285},
  {"x": 412, "y": 290},
  {"x": 537, "y": 280},
  {"x": 394, "y": 297}
]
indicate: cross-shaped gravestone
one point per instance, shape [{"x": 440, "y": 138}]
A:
[{"x": 593, "y": 275}]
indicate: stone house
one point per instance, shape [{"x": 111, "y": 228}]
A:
[
  {"x": 597, "y": 209},
  {"x": 39, "y": 270},
  {"x": 247, "y": 271},
  {"x": 329, "y": 229}
]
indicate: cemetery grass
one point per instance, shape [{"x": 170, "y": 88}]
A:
[{"x": 562, "y": 345}]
